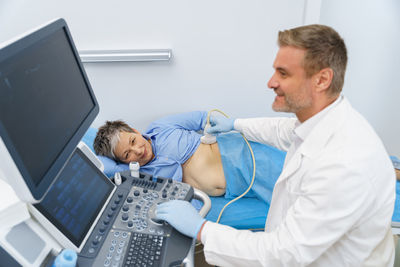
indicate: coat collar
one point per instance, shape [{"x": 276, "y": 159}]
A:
[
  {"x": 317, "y": 138},
  {"x": 323, "y": 131}
]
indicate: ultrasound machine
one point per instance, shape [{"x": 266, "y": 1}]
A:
[{"x": 53, "y": 194}]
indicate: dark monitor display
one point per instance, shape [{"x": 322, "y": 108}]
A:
[
  {"x": 46, "y": 103},
  {"x": 76, "y": 198}
]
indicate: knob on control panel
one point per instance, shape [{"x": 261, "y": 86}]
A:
[
  {"x": 125, "y": 208},
  {"x": 124, "y": 217},
  {"x": 152, "y": 215}
]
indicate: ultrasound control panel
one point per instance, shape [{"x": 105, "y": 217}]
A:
[{"x": 127, "y": 234}]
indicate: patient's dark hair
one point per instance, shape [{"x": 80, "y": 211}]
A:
[{"x": 108, "y": 136}]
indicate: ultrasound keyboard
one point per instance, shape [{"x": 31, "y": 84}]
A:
[
  {"x": 127, "y": 233},
  {"x": 144, "y": 250}
]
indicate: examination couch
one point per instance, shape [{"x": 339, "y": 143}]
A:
[{"x": 246, "y": 213}]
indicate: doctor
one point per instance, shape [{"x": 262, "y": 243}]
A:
[{"x": 333, "y": 202}]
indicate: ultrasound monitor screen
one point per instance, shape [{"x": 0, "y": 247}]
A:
[
  {"x": 76, "y": 198},
  {"x": 46, "y": 102}
]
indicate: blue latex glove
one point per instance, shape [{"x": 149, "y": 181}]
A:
[
  {"x": 220, "y": 124},
  {"x": 181, "y": 215},
  {"x": 396, "y": 162}
]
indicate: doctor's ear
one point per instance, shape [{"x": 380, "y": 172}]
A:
[{"x": 323, "y": 79}]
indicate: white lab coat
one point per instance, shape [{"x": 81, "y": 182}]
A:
[{"x": 331, "y": 206}]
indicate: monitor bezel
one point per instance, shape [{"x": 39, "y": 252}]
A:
[{"x": 13, "y": 167}]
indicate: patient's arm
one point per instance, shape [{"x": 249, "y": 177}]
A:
[
  {"x": 397, "y": 174},
  {"x": 192, "y": 121}
]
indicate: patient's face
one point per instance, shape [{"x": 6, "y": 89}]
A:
[{"x": 133, "y": 147}]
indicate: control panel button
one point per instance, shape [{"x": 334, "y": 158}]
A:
[
  {"x": 125, "y": 217},
  {"x": 125, "y": 208}
]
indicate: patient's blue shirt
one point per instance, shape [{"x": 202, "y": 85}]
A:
[{"x": 174, "y": 139}]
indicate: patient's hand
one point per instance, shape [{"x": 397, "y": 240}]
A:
[{"x": 397, "y": 174}]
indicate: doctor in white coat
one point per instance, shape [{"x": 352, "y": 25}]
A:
[{"x": 333, "y": 202}]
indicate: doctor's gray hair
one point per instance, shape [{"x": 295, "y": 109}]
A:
[
  {"x": 107, "y": 137},
  {"x": 324, "y": 49}
]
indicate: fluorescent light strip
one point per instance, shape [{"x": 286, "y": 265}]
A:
[{"x": 92, "y": 56}]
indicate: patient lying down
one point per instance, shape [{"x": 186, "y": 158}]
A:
[
  {"x": 171, "y": 147},
  {"x": 169, "y": 141}
]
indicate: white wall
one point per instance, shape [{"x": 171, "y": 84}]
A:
[
  {"x": 222, "y": 51},
  {"x": 371, "y": 29}
]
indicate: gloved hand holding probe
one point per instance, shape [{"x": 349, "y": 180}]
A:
[
  {"x": 220, "y": 124},
  {"x": 181, "y": 215}
]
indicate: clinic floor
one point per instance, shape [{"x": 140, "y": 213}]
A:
[
  {"x": 397, "y": 256},
  {"x": 199, "y": 260}
]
